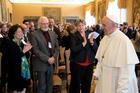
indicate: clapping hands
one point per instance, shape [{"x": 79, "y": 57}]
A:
[{"x": 27, "y": 47}]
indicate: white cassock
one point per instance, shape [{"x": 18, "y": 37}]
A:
[{"x": 116, "y": 65}]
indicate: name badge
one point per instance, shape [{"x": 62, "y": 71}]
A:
[{"x": 49, "y": 45}]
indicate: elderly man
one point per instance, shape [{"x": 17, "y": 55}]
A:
[
  {"x": 115, "y": 71},
  {"x": 45, "y": 51}
]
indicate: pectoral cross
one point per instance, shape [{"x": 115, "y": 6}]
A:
[{"x": 102, "y": 57}]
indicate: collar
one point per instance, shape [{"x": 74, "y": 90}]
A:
[{"x": 113, "y": 33}]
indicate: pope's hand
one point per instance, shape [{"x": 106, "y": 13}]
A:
[{"x": 95, "y": 78}]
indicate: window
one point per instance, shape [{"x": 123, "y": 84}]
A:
[
  {"x": 90, "y": 20},
  {"x": 113, "y": 9}
]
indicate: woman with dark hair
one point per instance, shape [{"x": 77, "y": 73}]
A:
[
  {"x": 4, "y": 30},
  {"x": 4, "y": 61},
  {"x": 18, "y": 67}
]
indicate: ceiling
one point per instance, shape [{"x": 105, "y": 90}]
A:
[{"x": 52, "y": 1}]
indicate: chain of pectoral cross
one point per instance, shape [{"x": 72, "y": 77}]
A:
[{"x": 106, "y": 48}]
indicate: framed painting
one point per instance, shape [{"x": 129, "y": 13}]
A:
[
  {"x": 136, "y": 11},
  {"x": 70, "y": 19},
  {"x": 54, "y": 12},
  {"x": 32, "y": 18}
]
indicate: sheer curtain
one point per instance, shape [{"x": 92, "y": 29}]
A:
[
  {"x": 90, "y": 20},
  {"x": 114, "y": 9}
]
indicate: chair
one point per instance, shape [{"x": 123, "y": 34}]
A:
[{"x": 57, "y": 84}]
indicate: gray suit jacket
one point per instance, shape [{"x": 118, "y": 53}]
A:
[{"x": 40, "y": 50}]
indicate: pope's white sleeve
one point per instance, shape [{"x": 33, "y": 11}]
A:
[{"x": 98, "y": 70}]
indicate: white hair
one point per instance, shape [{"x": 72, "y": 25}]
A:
[{"x": 41, "y": 19}]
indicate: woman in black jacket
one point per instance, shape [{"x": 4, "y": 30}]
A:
[
  {"x": 18, "y": 68},
  {"x": 82, "y": 57}
]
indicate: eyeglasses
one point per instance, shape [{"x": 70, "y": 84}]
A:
[{"x": 44, "y": 23}]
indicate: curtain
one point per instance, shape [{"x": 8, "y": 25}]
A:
[
  {"x": 3, "y": 10},
  {"x": 122, "y": 3},
  {"x": 106, "y": 4},
  {"x": 102, "y": 9},
  {"x": 93, "y": 9}
]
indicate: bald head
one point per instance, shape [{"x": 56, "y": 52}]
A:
[{"x": 24, "y": 27}]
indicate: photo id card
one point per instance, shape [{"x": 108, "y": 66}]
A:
[{"x": 49, "y": 45}]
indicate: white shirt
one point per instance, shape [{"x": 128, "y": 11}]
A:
[{"x": 1, "y": 36}]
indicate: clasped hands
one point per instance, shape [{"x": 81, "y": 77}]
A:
[{"x": 51, "y": 60}]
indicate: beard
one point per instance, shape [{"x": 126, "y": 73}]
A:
[{"x": 44, "y": 29}]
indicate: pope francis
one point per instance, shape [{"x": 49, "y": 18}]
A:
[{"x": 115, "y": 71}]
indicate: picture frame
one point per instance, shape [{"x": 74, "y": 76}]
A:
[
  {"x": 54, "y": 12},
  {"x": 70, "y": 19},
  {"x": 136, "y": 11},
  {"x": 32, "y": 18}
]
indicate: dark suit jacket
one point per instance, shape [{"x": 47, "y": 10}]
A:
[
  {"x": 78, "y": 52},
  {"x": 131, "y": 33},
  {"x": 40, "y": 50},
  {"x": 57, "y": 31}
]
